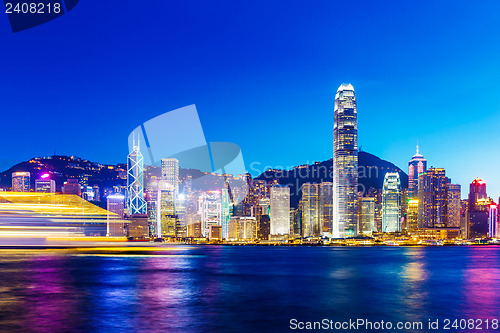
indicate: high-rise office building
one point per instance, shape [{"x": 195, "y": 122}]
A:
[
  {"x": 45, "y": 185},
  {"x": 493, "y": 221},
  {"x": 227, "y": 211},
  {"x": 366, "y": 215},
  {"x": 416, "y": 166},
  {"x": 326, "y": 208},
  {"x": 135, "y": 182},
  {"x": 412, "y": 215},
  {"x": 464, "y": 219},
  {"x": 180, "y": 214},
  {"x": 453, "y": 205},
  {"x": 263, "y": 219},
  {"x": 21, "y": 182},
  {"x": 345, "y": 163},
  {"x": 211, "y": 211},
  {"x": 166, "y": 217},
  {"x": 116, "y": 209},
  {"x": 311, "y": 221},
  {"x": 242, "y": 228},
  {"x": 391, "y": 203},
  {"x": 478, "y": 196},
  {"x": 170, "y": 173},
  {"x": 432, "y": 198},
  {"x": 479, "y": 209},
  {"x": 439, "y": 201},
  {"x": 280, "y": 210},
  {"x": 138, "y": 227}
]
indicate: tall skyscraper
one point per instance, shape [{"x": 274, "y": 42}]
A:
[
  {"x": 116, "y": 209},
  {"x": 391, "y": 203},
  {"x": 477, "y": 195},
  {"x": 412, "y": 215},
  {"x": 326, "y": 208},
  {"x": 479, "y": 206},
  {"x": 453, "y": 205},
  {"x": 21, "y": 182},
  {"x": 166, "y": 217},
  {"x": 211, "y": 211},
  {"x": 493, "y": 221},
  {"x": 227, "y": 211},
  {"x": 366, "y": 215},
  {"x": 416, "y": 166},
  {"x": 280, "y": 210},
  {"x": 432, "y": 198},
  {"x": 135, "y": 182},
  {"x": 311, "y": 221},
  {"x": 345, "y": 163},
  {"x": 170, "y": 173}
]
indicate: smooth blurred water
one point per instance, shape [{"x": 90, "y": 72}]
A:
[{"x": 243, "y": 289}]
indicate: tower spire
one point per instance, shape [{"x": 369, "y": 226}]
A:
[{"x": 417, "y": 147}]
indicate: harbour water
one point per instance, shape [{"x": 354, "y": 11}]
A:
[{"x": 244, "y": 288}]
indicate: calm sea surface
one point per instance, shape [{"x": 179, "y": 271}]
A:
[{"x": 244, "y": 289}]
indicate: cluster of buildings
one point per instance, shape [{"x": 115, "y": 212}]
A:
[{"x": 164, "y": 206}]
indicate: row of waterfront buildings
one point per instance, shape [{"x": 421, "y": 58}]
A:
[{"x": 165, "y": 205}]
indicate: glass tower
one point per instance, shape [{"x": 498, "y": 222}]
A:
[
  {"x": 170, "y": 173},
  {"x": 135, "y": 182},
  {"x": 391, "y": 203},
  {"x": 345, "y": 163},
  {"x": 311, "y": 219},
  {"x": 416, "y": 166},
  {"x": 280, "y": 210}
]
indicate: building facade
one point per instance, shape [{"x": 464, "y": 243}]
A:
[
  {"x": 21, "y": 182},
  {"x": 311, "y": 219},
  {"x": 391, "y": 203},
  {"x": 326, "y": 208},
  {"x": 345, "y": 163},
  {"x": 170, "y": 173},
  {"x": 416, "y": 166},
  {"x": 116, "y": 209},
  {"x": 280, "y": 210},
  {"x": 366, "y": 215}
]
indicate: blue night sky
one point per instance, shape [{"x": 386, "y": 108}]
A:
[{"x": 263, "y": 75}]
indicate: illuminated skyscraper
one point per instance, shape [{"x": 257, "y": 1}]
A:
[
  {"x": 326, "y": 208},
  {"x": 366, "y": 215},
  {"x": 479, "y": 209},
  {"x": 166, "y": 218},
  {"x": 21, "y": 182},
  {"x": 227, "y": 211},
  {"x": 432, "y": 198},
  {"x": 416, "y": 166},
  {"x": 116, "y": 209},
  {"x": 211, "y": 211},
  {"x": 453, "y": 205},
  {"x": 345, "y": 163},
  {"x": 493, "y": 221},
  {"x": 412, "y": 215},
  {"x": 280, "y": 210},
  {"x": 311, "y": 221},
  {"x": 135, "y": 182},
  {"x": 477, "y": 195},
  {"x": 170, "y": 173},
  {"x": 391, "y": 203}
]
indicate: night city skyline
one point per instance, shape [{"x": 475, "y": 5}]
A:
[
  {"x": 228, "y": 86},
  {"x": 264, "y": 166}
]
